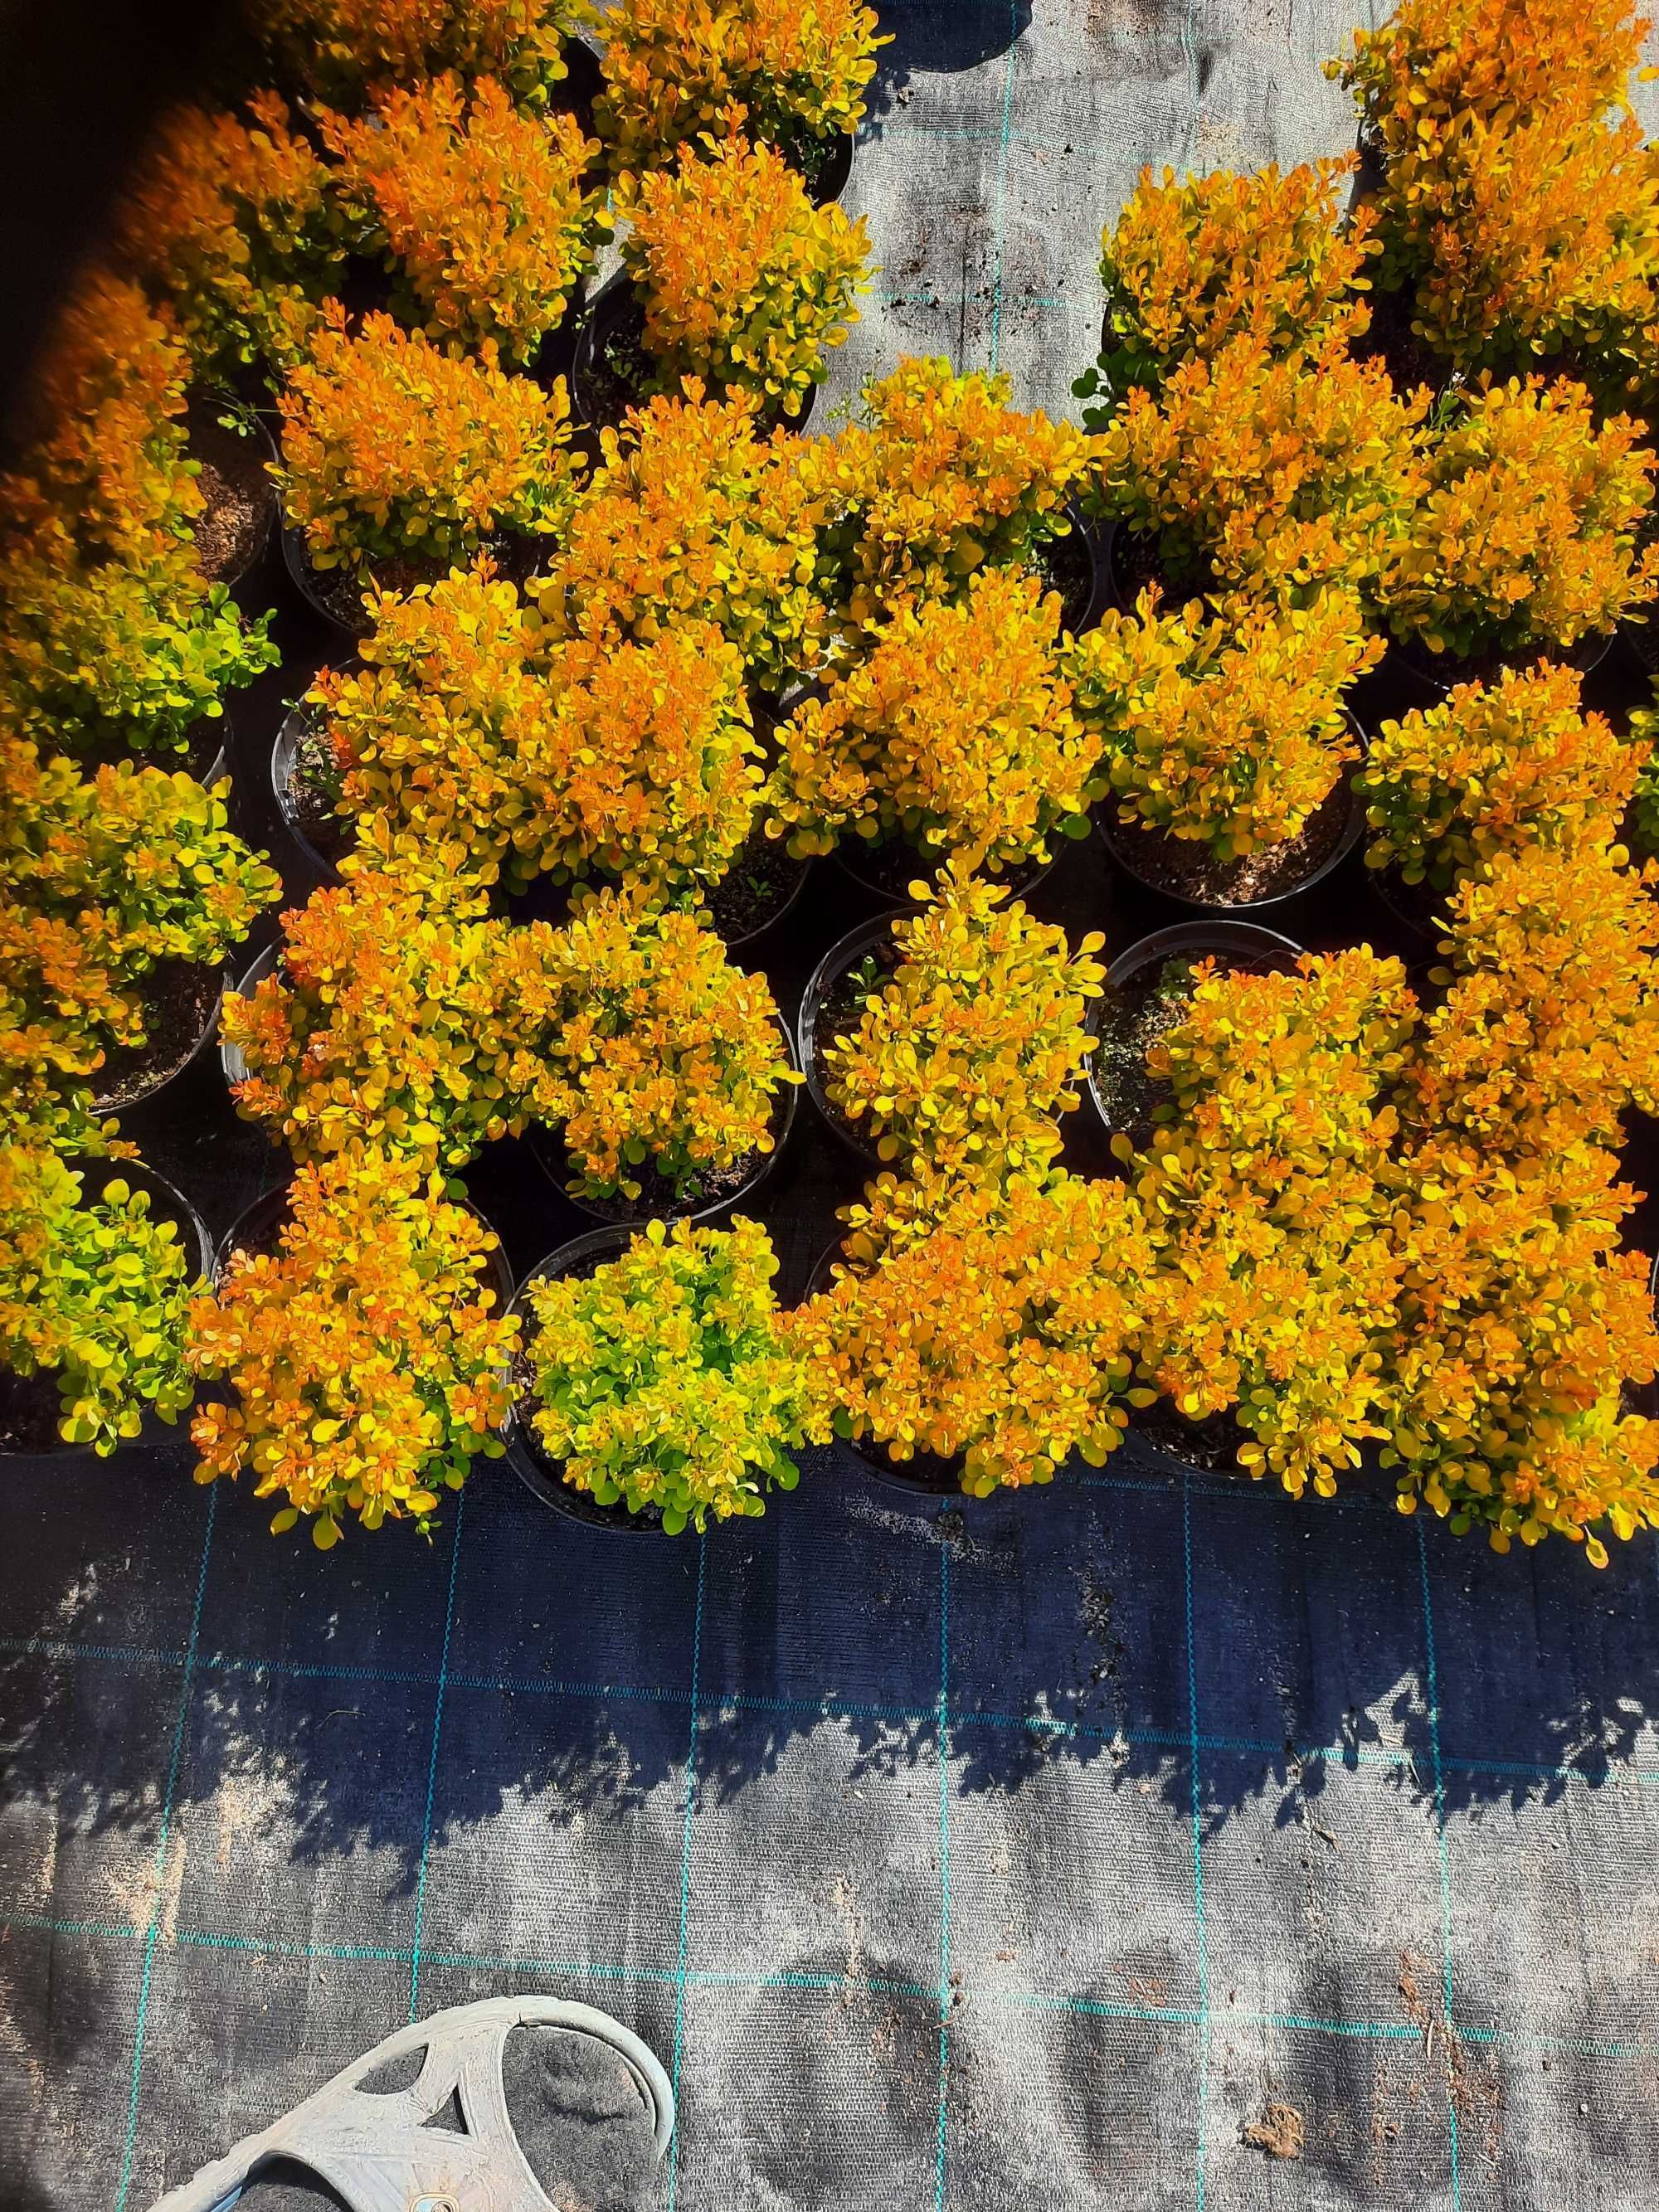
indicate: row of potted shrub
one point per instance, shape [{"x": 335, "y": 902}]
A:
[{"x": 1359, "y": 1212}]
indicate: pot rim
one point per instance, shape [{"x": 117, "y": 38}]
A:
[
  {"x": 235, "y": 1068},
  {"x": 1119, "y": 840},
  {"x": 283, "y": 748},
  {"x": 203, "y": 403},
  {"x": 534, "y": 1468},
  {"x": 1198, "y": 938},
  {"x": 832, "y": 965}
]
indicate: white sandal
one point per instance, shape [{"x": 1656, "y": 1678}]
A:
[{"x": 377, "y": 2152}]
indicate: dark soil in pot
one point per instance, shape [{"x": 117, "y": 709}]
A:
[
  {"x": 531, "y": 1462},
  {"x": 661, "y": 1198},
  {"x": 823, "y": 164},
  {"x": 1410, "y": 362},
  {"x": 204, "y": 754},
  {"x": 889, "y": 866},
  {"x": 1417, "y": 908},
  {"x": 1133, "y": 563},
  {"x": 240, "y": 500},
  {"x": 1149, "y": 989},
  {"x": 181, "y": 1003},
  {"x": 758, "y": 890},
  {"x": 852, "y": 969},
  {"x": 1185, "y": 868},
  {"x": 305, "y": 779},
  {"x": 337, "y": 594}
]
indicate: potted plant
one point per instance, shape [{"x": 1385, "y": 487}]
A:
[
  {"x": 1494, "y": 766},
  {"x": 469, "y": 730},
  {"x": 1190, "y": 265},
  {"x": 1521, "y": 1329},
  {"x": 366, "y": 1355},
  {"x": 665, "y": 1069},
  {"x": 230, "y": 220},
  {"x": 737, "y": 280},
  {"x": 1148, "y": 990},
  {"x": 1549, "y": 1027},
  {"x": 951, "y": 1039},
  {"x": 657, "y": 1382},
  {"x": 936, "y": 478},
  {"x": 141, "y": 866},
  {"x": 1279, "y": 476},
  {"x": 479, "y": 207},
  {"x": 96, "y": 1267},
  {"x": 1525, "y": 538},
  {"x": 1265, "y": 1188},
  {"x": 400, "y": 458},
  {"x": 958, "y": 734},
  {"x": 1225, "y": 738},
  {"x": 385, "y": 1022},
  {"x": 341, "y": 50},
  {"x": 974, "y": 1336},
  {"x": 1516, "y": 209},
  {"x": 693, "y": 512},
  {"x": 669, "y": 72},
  {"x": 112, "y": 639}
]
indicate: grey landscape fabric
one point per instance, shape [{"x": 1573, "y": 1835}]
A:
[{"x": 1133, "y": 1843}]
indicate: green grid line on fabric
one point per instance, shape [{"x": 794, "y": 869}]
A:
[{"x": 1152, "y": 2016}]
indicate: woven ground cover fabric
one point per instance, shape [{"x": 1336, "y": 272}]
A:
[{"x": 1137, "y": 1842}]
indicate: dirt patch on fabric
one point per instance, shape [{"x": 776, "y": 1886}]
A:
[{"x": 1280, "y": 2131}]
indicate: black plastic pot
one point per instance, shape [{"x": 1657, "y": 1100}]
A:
[
  {"x": 1095, "y": 596},
  {"x": 628, "y": 1215},
  {"x": 842, "y": 957},
  {"x": 1123, "y": 843},
  {"x": 303, "y": 578},
  {"x": 1243, "y": 944},
  {"x": 167, "y": 1203},
  {"x": 209, "y": 441},
  {"x": 109, "y": 1098},
  {"x": 230, "y": 1056},
  {"x": 283, "y": 764},
  {"x": 257, "y": 1226},
  {"x": 831, "y": 181},
  {"x": 536, "y": 1468},
  {"x": 924, "y": 1475},
  {"x": 595, "y": 401},
  {"x": 1440, "y": 673},
  {"x": 1412, "y": 906},
  {"x": 852, "y": 858}
]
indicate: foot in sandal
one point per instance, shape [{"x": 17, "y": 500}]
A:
[{"x": 514, "y": 2104}]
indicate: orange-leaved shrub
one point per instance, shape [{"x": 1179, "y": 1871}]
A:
[
  {"x": 743, "y": 281},
  {"x": 393, "y": 448},
  {"x": 1264, "y": 1191},
  {"x": 231, "y": 219},
  {"x": 389, "y": 1023},
  {"x": 1519, "y": 1328},
  {"x": 480, "y": 205},
  {"x": 1223, "y": 726},
  {"x": 1278, "y": 476},
  {"x": 1518, "y": 211},
  {"x": 691, "y": 514},
  {"x": 653, "y": 1054},
  {"x": 1527, "y": 531},
  {"x": 1550, "y": 1027},
  {"x": 340, "y": 50},
  {"x": 995, "y": 1321},
  {"x": 936, "y": 476},
  {"x": 1494, "y": 766},
  {"x": 971, "y": 1044},
  {"x": 671, "y": 67},
  {"x": 365, "y": 1360},
  {"x": 959, "y": 733},
  {"x": 1190, "y": 265}
]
